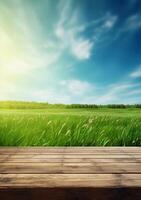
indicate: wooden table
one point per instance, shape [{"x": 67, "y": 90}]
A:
[{"x": 70, "y": 173}]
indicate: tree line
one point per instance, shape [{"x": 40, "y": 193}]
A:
[{"x": 41, "y": 105}]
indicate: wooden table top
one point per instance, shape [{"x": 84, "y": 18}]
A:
[{"x": 70, "y": 167}]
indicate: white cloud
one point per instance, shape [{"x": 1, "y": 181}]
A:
[
  {"x": 135, "y": 92},
  {"x": 70, "y": 31},
  {"x": 116, "y": 93},
  {"x": 133, "y": 22},
  {"x": 51, "y": 96},
  {"x": 82, "y": 48},
  {"x": 70, "y": 36},
  {"x": 102, "y": 27},
  {"x": 77, "y": 87},
  {"x": 110, "y": 21},
  {"x": 120, "y": 92},
  {"x": 136, "y": 73}
]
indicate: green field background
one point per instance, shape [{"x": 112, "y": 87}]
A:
[{"x": 70, "y": 127}]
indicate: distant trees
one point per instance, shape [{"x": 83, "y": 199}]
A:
[
  {"x": 137, "y": 105},
  {"x": 22, "y": 105},
  {"x": 121, "y": 106},
  {"x": 82, "y": 106},
  {"x": 39, "y": 105},
  {"x": 116, "y": 106}
]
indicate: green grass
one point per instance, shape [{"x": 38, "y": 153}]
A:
[{"x": 70, "y": 127}]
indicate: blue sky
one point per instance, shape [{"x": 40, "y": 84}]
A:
[{"x": 70, "y": 51}]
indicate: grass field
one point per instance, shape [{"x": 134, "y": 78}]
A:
[{"x": 70, "y": 127}]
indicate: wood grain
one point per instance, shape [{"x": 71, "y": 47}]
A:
[
  {"x": 70, "y": 173},
  {"x": 69, "y": 180},
  {"x": 70, "y": 168}
]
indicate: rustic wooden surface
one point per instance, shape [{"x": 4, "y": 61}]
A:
[{"x": 70, "y": 173}]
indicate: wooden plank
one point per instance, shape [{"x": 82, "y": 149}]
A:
[
  {"x": 69, "y": 180},
  {"x": 70, "y": 173},
  {"x": 87, "y": 150},
  {"x": 69, "y": 156},
  {"x": 71, "y": 148},
  {"x": 30, "y": 150},
  {"x": 80, "y": 168},
  {"x": 69, "y": 160}
]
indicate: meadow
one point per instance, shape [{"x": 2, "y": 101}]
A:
[{"x": 70, "y": 127}]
